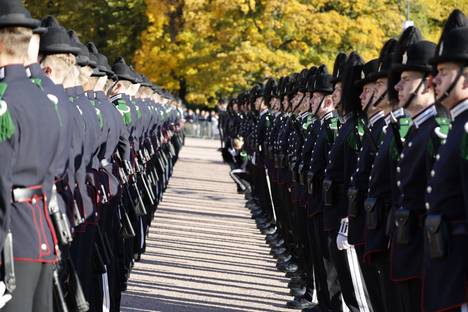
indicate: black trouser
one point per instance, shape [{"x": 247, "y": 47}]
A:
[
  {"x": 371, "y": 278},
  {"x": 260, "y": 187},
  {"x": 302, "y": 251},
  {"x": 340, "y": 262},
  {"x": 409, "y": 295},
  {"x": 325, "y": 274},
  {"x": 381, "y": 262},
  {"x": 33, "y": 288},
  {"x": 83, "y": 254}
]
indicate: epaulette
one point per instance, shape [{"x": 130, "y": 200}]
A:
[
  {"x": 7, "y": 126},
  {"x": 98, "y": 114},
  {"x": 334, "y": 123},
  {"x": 55, "y": 101},
  {"x": 307, "y": 123},
  {"x": 360, "y": 127},
  {"x": 37, "y": 82},
  {"x": 124, "y": 111},
  {"x": 404, "y": 125},
  {"x": 443, "y": 127}
]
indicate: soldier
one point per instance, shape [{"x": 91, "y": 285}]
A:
[
  {"x": 416, "y": 96},
  {"x": 375, "y": 105},
  {"x": 322, "y": 107},
  {"x": 27, "y": 170},
  {"x": 341, "y": 160},
  {"x": 446, "y": 205}
]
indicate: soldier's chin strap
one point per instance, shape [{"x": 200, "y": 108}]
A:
[
  {"x": 452, "y": 86},
  {"x": 415, "y": 92},
  {"x": 366, "y": 108},
  {"x": 289, "y": 108},
  {"x": 381, "y": 97},
  {"x": 299, "y": 104},
  {"x": 320, "y": 104}
]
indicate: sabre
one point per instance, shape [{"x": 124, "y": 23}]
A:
[{"x": 269, "y": 193}]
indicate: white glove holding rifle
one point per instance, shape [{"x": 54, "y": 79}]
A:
[{"x": 342, "y": 237}]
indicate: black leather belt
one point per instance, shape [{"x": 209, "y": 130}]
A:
[{"x": 21, "y": 195}]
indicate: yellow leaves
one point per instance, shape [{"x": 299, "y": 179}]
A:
[{"x": 224, "y": 46}]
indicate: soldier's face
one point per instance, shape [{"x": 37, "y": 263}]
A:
[
  {"x": 297, "y": 98},
  {"x": 316, "y": 99},
  {"x": 446, "y": 75},
  {"x": 286, "y": 101},
  {"x": 275, "y": 104},
  {"x": 407, "y": 85},
  {"x": 380, "y": 87},
  {"x": 259, "y": 103},
  {"x": 336, "y": 96},
  {"x": 367, "y": 94},
  {"x": 305, "y": 103}
]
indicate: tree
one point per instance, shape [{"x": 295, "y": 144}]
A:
[
  {"x": 113, "y": 25},
  {"x": 205, "y": 49}
]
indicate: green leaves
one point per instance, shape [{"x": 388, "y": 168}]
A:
[{"x": 113, "y": 25}]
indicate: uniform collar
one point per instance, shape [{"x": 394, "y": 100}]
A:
[
  {"x": 12, "y": 71},
  {"x": 327, "y": 116},
  {"x": 34, "y": 70},
  {"x": 458, "y": 109},
  {"x": 90, "y": 94},
  {"x": 427, "y": 113},
  {"x": 116, "y": 97},
  {"x": 263, "y": 112},
  {"x": 376, "y": 117},
  {"x": 347, "y": 117},
  {"x": 396, "y": 113}
]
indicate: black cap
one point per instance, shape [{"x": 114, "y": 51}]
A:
[
  {"x": 56, "y": 39},
  {"x": 302, "y": 83},
  {"x": 14, "y": 14},
  {"x": 456, "y": 19},
  {"x": 255, "y": 92},
  {"x": 39, "y": 30},
  {"x": 100, "y": 61},
  {"x": 385, "y": 60},
  {"x": 416, "y": 58},
  {"x": 323, "y": 81},
  {"x": 338, "y": 67},
  {"x": 122, "y": 70},
  {"x": 311, "y": 78},
  {"x": 454, "y": 48},
  {"x": 145, "y": 81},
  {"x": 293, "y": 84},
  {"x": 351, "y": 74},
  {"x": 408, "y": 37},
  {"x": 268, "y": 90},
  {"x": 82, "y": 58},
  {"x": 367, "y": 71}
]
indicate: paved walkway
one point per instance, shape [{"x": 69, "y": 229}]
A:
[{"x": 204, "y": 252}]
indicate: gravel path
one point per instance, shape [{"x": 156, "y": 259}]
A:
[{"x": 204, "y": 252}]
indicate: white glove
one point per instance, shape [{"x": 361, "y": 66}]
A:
[
  {"x": 342, "y": 237},
  {"x": 4, "y": 297}
]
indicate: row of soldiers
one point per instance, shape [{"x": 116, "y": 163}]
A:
[
  {"x": 359, "y": 178},
  {"x": 86, "y": 152}
]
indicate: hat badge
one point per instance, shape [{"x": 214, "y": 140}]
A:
[
  {"x": 380, "y": 67},
  {"x": 405, "y": 58},
  {"x": 363, "y": 75},
  {"x": 441, "y": 48}
]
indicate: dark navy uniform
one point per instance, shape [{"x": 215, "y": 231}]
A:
[{"x": 446, "y": 263}]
